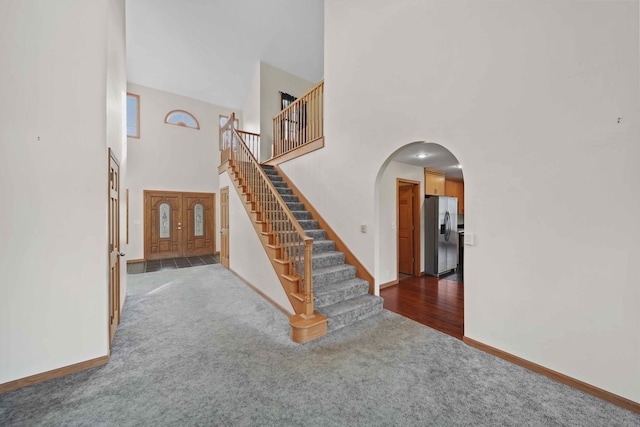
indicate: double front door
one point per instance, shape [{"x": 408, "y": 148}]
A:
[{"x": 178, "y": 224}]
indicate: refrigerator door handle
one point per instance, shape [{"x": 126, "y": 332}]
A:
[{"x": 447, "y": 224}]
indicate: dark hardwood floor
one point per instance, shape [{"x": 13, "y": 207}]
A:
[{"x": 437, "y": 303}]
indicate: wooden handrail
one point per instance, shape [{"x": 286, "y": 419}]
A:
[
  {"x": 294, "y": 246},
  {"x": 300, "y": 123}
]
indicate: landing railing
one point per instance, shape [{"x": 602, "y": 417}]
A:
[
  {"x": 300, "y": 123},
  {"x": 289, "y": 238},
  {"x": 252, "y": 140}
]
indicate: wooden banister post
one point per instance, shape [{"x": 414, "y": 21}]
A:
[{"x": 308, "y": 280}]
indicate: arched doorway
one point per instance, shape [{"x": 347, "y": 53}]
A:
[{"x": 411, "y": 181}]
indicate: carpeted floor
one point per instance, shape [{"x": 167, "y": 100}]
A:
[{"x": 196, "y": 346}]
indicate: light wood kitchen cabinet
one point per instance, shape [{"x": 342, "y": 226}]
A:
[
  {"x": 433, "y": 182},
  {"x": 454, "y": 187}
]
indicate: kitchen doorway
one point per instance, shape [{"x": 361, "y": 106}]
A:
[
  {"x": 178, "y": 224},
  {"x": 437, "y": 302}
]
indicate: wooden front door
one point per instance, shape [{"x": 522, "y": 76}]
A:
[
  {"x": 198, "y": 230},
  {"x": 178, "y": 224},
  {"x": 114, "y": 246},
  {"x": 162, "y": 224},
  {"x": 224, "y": 226}
]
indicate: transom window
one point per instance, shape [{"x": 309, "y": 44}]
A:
[
  {"x": 133, "y": 115},
  {"x": 182, "y": 118}
]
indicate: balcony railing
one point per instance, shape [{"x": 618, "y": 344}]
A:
[{"x": 301, "y": 123}]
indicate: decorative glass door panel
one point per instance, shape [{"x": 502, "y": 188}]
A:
[
  {"x": 198, "y": 218},
  {"x": 163, "y": 224}
]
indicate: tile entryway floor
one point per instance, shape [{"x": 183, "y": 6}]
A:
[{"x": 171, "y": 263}]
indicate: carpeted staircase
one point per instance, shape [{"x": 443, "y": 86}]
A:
[{"x": 339, "y": 294}]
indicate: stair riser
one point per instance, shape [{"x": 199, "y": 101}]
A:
[
  {"x": 323, "y": 246},
  {"x": 308, "y": 224},
  {"x": 316, "y": 234},
  {"x": 326, "y": 261},
  {"x": 305, "y": 224},
  {"x": 284, "y": 190},
  {"x": 295, "y": 206},
  {"x": 336, "y": 258},
  {"x": 289, "y": 197},
  {"x": 352, "y": 291},
  {"x": 334, "y": 276},
  {"x": 320, "y": 245},
  {"x": 339, "y": 321},
  {"x": 301, "y": 215}
]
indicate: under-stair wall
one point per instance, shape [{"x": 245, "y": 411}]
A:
[
  {"x": 328, "y": 282},
  {"x": 247, "y": 257}
]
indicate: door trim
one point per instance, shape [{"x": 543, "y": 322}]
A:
[
  {"x": 415, "y": 185},
  {"x": 224, "y": 226}
]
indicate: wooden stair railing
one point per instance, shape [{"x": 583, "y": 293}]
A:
[
  {"x": 287, "y": 245},
  {"x": 252, "y": 140},
  {"x": 301, "y": 123}
]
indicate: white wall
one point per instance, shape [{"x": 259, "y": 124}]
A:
[
  {"x": 170, "y": 158},
  {"x": 273, "y": 81},
  {"x": 53, "y": 219},
  {"x": 251, "y": 107},
  {"x": 386, "y": 233},
  {"x": 116, "y": 116},
  {"x": 247, "y": 257},
  {"x": 550, "y": 174}
]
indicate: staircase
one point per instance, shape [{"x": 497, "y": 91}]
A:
[{"x": 339, "y": 294}]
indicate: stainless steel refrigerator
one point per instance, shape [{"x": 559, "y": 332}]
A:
[{"x": 440, "y": 235}]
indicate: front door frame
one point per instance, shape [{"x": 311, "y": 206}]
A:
[
  {"x": 415, "y": 202},
  {"x": 224, "y": 226},
  {"x": 180, "y": 228}
]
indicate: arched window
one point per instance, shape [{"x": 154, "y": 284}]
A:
[{"x": 181, "y": 118}]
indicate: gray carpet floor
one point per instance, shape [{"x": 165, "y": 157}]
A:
[{"x": 196, "y": 346}]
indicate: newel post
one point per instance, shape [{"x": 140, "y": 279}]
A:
[{"x": 308, "y": 281}]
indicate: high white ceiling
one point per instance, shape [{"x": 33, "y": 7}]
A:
[{"x": 210, "y": 49}]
